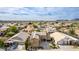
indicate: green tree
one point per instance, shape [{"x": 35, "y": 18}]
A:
[
  {"x": 53, "y": 44},
  {"x": 13, "y": 29},
  {"x": 72, "y": 31},
  {"x": 27, "y": 43},
  {"x": 9, "y": 34},
  {"x": 1, "y": 43}
]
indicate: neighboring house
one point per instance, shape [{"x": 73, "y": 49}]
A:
[
  {"x": 21, "y": 26},
  {"x": 66, "y": 41},
  {"x": 0, "y": 25},
  {"x": 3, "y": 28},
  {"x": 63, "y": 39},
  {"x": 19, "y": 37},
  {"x": 50, "y": 29}
]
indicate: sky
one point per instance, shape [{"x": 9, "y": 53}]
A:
[{"x": 38, "y": 13}]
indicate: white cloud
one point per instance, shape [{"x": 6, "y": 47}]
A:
[{"x": 38, "y": 13}]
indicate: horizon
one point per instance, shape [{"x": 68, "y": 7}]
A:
[{"x": 38, "y": 13}]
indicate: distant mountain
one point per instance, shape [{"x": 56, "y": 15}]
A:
[{"x": 77, "y": 19}]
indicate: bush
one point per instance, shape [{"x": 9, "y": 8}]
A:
[
  {"x": 9, "y": 34},
  {"x": 72, "y": 31},
  {"x": 35, "y": 25},
  {"x": 38, "y": 30},
  {"x": 54, "y": 46}
]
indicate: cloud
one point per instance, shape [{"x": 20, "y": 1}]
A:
[{"x": 39, "y": 12}]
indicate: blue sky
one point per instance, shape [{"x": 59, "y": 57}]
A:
[{"x": 38, "y": 13}]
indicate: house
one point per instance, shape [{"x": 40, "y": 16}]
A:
[
  {"x": 63, "y": 39},
  {"x": 19, "y": 37},
  {"x": 40, "y": 40},
  {"x": 50, "y": 29},
  {"x": 3, "y": 28},
  {"x": 0, "y": 25}
]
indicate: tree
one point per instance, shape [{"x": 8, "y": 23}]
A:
[
  {"x": 9, "y": 34},
  {"x": 27, "y": 43},
  {"x": 35, "y": 24},
  {"x": 72, "y": 31},
  {"x": 1, "y": 43},
  {"x": 53, "y": 44},
  {"x": 53, "y": 41},
  {"x": 13, "y": 29}
]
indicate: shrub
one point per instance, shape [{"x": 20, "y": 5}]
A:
[
  {"x": 9, "y": 34},
  {"x": 72, "y": 31}
]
